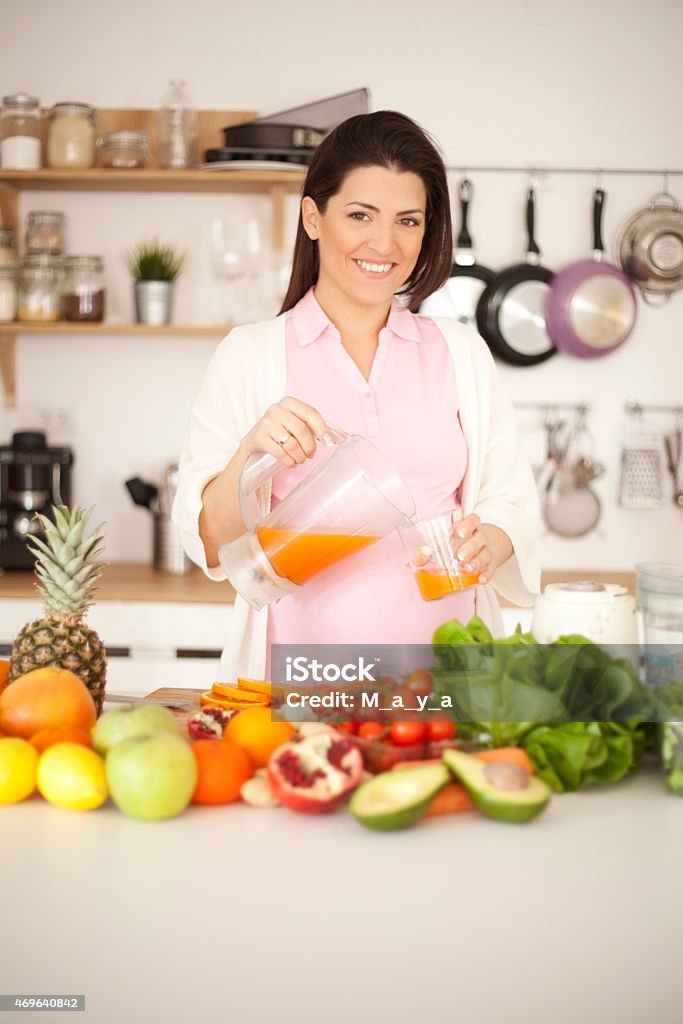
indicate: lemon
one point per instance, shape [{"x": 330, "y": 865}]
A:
[
  {"x": 18, "y": 763},
  {"x": 72, "y": 776}
]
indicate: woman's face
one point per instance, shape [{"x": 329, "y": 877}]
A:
[{"x": 369, "y": 237}]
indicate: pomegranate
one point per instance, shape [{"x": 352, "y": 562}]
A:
[
  {"x": 209, "y": 723},
  {"x": 313, "y": 774}
]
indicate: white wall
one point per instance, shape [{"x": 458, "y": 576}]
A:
[{"x": 521, "y": 83}]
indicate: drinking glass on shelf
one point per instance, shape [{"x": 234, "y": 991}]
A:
[{"x": 229, "y": 265}]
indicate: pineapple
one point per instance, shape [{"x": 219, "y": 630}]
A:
[{"x": 67, "y": 572}]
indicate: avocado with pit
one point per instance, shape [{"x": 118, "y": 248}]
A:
[
  {"x": 500, "y": 790},
  {"x": 396, "y": 800}
]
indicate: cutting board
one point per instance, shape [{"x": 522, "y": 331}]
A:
[{"x": 179, "y": 693}]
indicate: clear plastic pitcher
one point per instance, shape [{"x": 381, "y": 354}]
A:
[
  {"x": 659, "y": 599},
  {"x": 350, "y": 500}
]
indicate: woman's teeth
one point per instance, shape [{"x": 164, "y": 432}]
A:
[{"x": 375, "y": 268}]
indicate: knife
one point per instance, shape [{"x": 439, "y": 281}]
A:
[{"x": 122, "y": 698}]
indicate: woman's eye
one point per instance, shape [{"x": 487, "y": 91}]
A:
[
  {"x": 358, "y": 215},
  {"x": 411, "y": 222}
]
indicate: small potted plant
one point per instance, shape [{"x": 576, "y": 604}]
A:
[{"x": 155, "y": 269}]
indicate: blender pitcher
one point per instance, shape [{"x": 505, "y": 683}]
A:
[{"x": 350, "y": 500}]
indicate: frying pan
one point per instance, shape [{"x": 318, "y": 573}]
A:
[
  {"x": 459, "y": 296},
  {"x": 511, "y": 309},
  {"x": 649, "y": 247},
  {"x": 591, "y": 307}
]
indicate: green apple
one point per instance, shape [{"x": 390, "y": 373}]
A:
[
  {"x": 152, "y": 777},
  {"x": 131, "y": 720}
]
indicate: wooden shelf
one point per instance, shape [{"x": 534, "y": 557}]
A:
[
  {"x": 62, "y": 327},
  {"x": 152, "y": 179}
]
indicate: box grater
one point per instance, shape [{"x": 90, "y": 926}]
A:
[{"x": 641, "y": 468}]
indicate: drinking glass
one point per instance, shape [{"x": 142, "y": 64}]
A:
[
  {"x": 229, "y": 265},
  {"x": 431, "y": 546}
]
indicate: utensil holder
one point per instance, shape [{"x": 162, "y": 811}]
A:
[{"x": 168, "y": 552}]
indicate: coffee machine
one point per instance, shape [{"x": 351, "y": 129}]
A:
[{"x": 33, "y": 478}]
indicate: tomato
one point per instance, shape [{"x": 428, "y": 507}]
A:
[
  {"x": 441, "y": 730},
  {"x": 372, "y": 731},
  {"x": 407, "y": 734},
  {"x": 351, "y": 727},
  {"x": 419, "y": 682}
]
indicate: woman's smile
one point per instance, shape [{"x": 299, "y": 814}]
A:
[{"x": 372, "y": 269}]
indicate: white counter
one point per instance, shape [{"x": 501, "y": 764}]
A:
[{"x": 251, "y": 916}]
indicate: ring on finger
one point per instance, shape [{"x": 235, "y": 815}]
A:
[{"x": 283, "y": 440}]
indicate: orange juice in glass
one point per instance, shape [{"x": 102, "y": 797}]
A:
[{"x": 431, "y": 546}]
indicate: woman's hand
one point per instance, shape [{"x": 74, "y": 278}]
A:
[
  {"x": 484, "y": 547},
  {"x": 288, "y": 431}
]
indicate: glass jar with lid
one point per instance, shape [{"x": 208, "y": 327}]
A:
[
  {"x": 71, "y": 135},
  {"x": 8, "y": 294},
  {"x": 84, "y": 288},
  {"x": 41, "y": 280},
  {"x": 125, "y": 150},
  {"x": 8, "y": 248},
  {"x": 45, "y": 232},
  {"x": 20, "y": 132}
]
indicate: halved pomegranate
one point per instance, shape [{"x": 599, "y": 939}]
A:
[
  {"x": 313, "y": 774},
  {"x": 209, "y": 723}
]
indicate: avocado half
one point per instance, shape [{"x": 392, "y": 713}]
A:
[
  {"x": 513, "y": 805},
  {"x": 396, "y": 800}
]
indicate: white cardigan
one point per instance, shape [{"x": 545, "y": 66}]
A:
[{"x": 248, "y": 373}]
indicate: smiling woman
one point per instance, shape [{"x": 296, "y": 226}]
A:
[{"x": 347, "y": 352}]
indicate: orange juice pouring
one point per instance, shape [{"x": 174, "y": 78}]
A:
[{"x": 431, "y": 546}]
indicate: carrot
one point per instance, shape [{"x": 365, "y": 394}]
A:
[
  {"x": 452, "y": 799},
  {"x": 509, "y": 755}
]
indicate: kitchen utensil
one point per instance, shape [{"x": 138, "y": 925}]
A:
[
  {"x": 602, "y": 612},
  {"x": 168, "y": 553},
  {"x": 351, "y": 499},
  {"x": 142, "y": 493},
  {"x": 511, "y": 309},
  {"x": 672, "y": 447},
  {"x": 641, "y": 468},
  {"x": 571, "y": 507},
  {"x": 459, "y": 296},
  {"x": 168, "y": 702},
  {"x": 649, "y": 248},
  {"x": 659, "y": 599},
  {"x": 431, "y": 549},
  {"x": 591, "y": 305}
]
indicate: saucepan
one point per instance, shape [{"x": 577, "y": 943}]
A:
[
  {"x": 649, "y": 247},
  {"x": 591, "y": 306}
]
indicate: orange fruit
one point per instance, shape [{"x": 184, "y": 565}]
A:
[
  {"x": 43, "y": 699},
  {"x": 208, "y": 699},
  {"x": 255, "y": 686},
  {"x": 4, "y": 674},
  {"x": 60, "y": 734},
  {"x": 222, "y": 769},
  {"x": 255, "y": 731},
  {"x": 232, "y": 693}
]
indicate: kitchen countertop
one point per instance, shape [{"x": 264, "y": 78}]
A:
[
  {"x": 255, "y": 916},
  {"x": 123, "y": 581}
]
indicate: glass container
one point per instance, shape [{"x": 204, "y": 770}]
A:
[
  {"x": 8, "y": 294},
  {"x": 45, "y": 232},
  {"x": 71, "y": 135},
  {"x": 125, "y": 150},
  {"x": 41, "y": 281},
  {"x": 8, "y": 248},
  {"x": 177, "y": 128},
  {"x": 20, "y": 132},
  {"x": 84, "y": 288}
]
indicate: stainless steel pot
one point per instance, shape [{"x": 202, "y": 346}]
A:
[{"x": 649, "y": 248}]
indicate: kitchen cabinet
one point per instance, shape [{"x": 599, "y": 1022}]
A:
[{"x": 276, "y": 183}]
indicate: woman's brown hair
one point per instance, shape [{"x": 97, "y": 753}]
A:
[{"x": 389, "y": 139}]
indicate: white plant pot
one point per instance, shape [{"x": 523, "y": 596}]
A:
[{"x": 153, "y": 302}]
